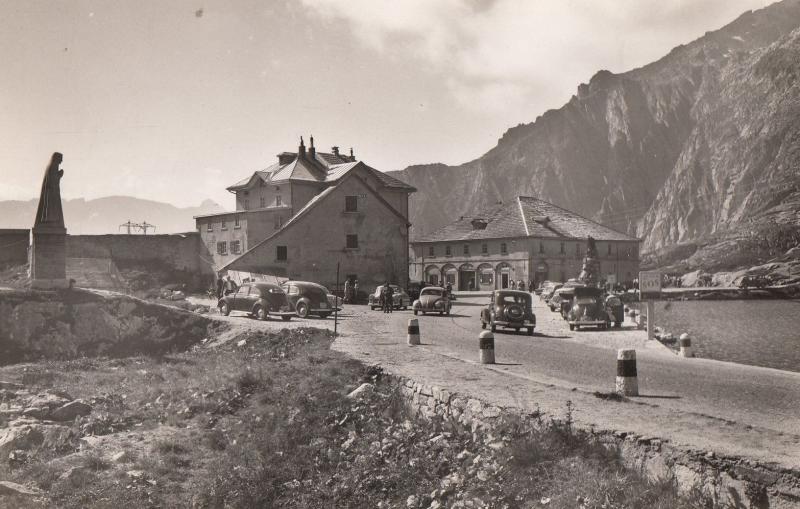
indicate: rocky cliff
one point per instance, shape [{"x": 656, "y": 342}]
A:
[{"x": 704, "y": 140}]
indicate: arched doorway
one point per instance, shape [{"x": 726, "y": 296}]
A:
[
  {"x": 466, "y": 278},
  {"x": 449, "y": 275},
  {"x": 485, "y": 274},
  {"x": 503, "y": 272},
  {"x": 541, "y": 274},
  {"x": 433, "y": 275}
]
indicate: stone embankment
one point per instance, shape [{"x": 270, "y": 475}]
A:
[
  {"x": 725, "y": 481},
  {"x": 75, "y": 323}
]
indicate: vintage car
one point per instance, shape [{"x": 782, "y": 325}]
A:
[
  {"x": 510, "y": 309},
  {"x": 615, "y": 309},
  {"x": 548, "y": 292},
  {"x": 400, "y": 297},
  {"x": 308, "y": 298},
  {"x": 432, "y": 299},
  {"x": 414, "y": 287},
  {"x": 588, "y": 309},
  {"x": 564, "y": 297},
  {"x": 261, "y": 300}
]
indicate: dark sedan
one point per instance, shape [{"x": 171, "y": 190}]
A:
[
  {"x": 308, "y": 298},
  {"x": 261, "y": 300},
  {"x": 510, "y": 309}
]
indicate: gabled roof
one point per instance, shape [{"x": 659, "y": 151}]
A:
[
  {"x": 524, "y": 217},
  {"x": 311, "y": 204}
]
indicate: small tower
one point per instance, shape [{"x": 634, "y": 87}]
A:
[
  {"x": 312, "y": 152},
  {"x": 301, "y": 150}
]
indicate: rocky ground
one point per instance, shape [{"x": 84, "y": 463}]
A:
[{"x": 278, "y": 419}]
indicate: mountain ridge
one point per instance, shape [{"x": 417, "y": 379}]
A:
[{"x": 664, "y": 152}]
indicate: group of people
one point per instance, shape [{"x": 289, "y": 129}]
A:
[
  {"x": 387, "y": 298},
  {"x": 350, "y": 291},
  {"x": 225, "y": 286},
  {"x": 520, "y": 285}
]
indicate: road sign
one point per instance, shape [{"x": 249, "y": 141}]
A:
[{"x": 649, "y": 285}]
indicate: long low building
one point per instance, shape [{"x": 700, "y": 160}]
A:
[{"x": 528, "y": 240}]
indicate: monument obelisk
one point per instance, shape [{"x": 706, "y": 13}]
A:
[{"x": 48, "y": 255}]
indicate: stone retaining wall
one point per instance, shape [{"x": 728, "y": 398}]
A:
[{"x": 727, "y": 482}]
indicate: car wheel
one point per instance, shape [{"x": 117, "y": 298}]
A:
[
  {"x": 618, "y": 325},
  {"x": 441, "y": 313},
  {"x": 571, "y": 327},
  {"x": 286, "y": 318},
  {"x": 324, "y": 315},
  {"x": 261, "y": 313},
  {"x": 415, "y": 312},
  {"x": 483, "y": 325},
  {"x": 577, "y": 327},
  {"x": 530, "y": 331},
  {"x": 447, "y": 312},
  {"x": 405, "y": 307},
  {"x": 224, "y": 309},
  {"x": 302, "y": 309},
  {"x": 372, "y": 308},
  {"x": 494, "y": 328}
]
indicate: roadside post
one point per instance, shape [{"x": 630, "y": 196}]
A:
[
  {"x": 486, "y": 343},
  {"x": 336, "y": 305},
  {"x": 627, "y": 378},
  {"x": 413, "y": 332},
  {"x": 649, "y": 290},
  {"x": 685, "y": 343}
]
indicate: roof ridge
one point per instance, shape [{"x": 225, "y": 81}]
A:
[{"x": 578, "y": 215}]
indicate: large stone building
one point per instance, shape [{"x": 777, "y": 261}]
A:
[
  {"x": 525, "y": 240},
  {"x": 308, "y": 211}
]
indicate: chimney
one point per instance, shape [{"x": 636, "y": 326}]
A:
[
  {"x": 352, "y": 157},
  {"x": 301, "y": 150},
  {"x": 335, "y": 151},
  {"x": 311, "y": 150}
]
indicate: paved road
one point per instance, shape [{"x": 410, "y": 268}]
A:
[{"x": 697, "y": 403}]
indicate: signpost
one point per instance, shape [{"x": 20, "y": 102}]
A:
[{"x": 649, "y": 290}]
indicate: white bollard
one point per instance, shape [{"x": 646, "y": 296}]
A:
[
  {"x": 685, "y": 343},
  {"x": 413, "y": 332},
  {"x": 627, "y": 380},
  {"x": 486, "y": 343}
]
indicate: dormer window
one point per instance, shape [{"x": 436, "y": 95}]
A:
[{"x": 479, "y": 224}]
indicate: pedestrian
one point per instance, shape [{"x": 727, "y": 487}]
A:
[
  {"x": 347, "y": 289},
  {"x": 355, "y": 291},
  {"x": 513, "y": 285},
  {"x": 530, "y": 285},
  {"x": 449, "y": 289},
  {"x": 230, "y": 285},
  {"x": 220, "y": 286}
]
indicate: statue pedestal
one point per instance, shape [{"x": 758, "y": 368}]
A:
[{"x": 48, "y": 257}]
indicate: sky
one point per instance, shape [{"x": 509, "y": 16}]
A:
[{"x": 174, "y": 101}]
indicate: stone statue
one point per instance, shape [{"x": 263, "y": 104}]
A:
[
  {"x": 591, "y": 248},
  {"x": 49, "y": 212},
  {"x": 590, "y": 271}
]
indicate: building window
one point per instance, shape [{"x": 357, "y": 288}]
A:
[
  {"x": 541, "y": 247},
  {"x": 236, "y": 247},
  {"x": 562, "y": 248},
  {"x": 503, "y": 248},
  {"x": 224, "y": 224},
  {"x": 247, "y": 205},
  {"x": 222, "y": 248},
  {"x": 466, "y": 249},
  {"x": 210, "y": 227},
  {"x": 351, "y": 203},
  {"x": 485, "y": 248},
  {"x": 352, "y": 242},
  {"x": 262, "y": 202},
  {"x": 278, "y": 201},
  {"x": 236, "y": 222},
  {"x": 448, "y": 251},
  {"x": 281, "y": 253},
  {"x": 431, "y": 251},
  {"x": 609, "y": 248}
]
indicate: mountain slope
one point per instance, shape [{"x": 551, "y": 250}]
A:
[
  {"x": 692, "y": 144},
  {"x": 105, "y": 215}
]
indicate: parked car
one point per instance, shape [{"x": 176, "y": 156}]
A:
[
  {"x": 261, "y": 300},
  {"x": 588, "y": 309},
  {"x": 510, "y": 309},
  {"x": 432, "y": 299},
  {"x": 548, "y": 293},
  {"x": 615, "y": 309},
  {"x": 308, "y": 298},
  {"x": 564, "y": 296},
  {"x": 414, "y": 288},
  {"x": 399, "y": 296}
]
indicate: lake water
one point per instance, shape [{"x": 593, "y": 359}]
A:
[{"x": 758, "y": 332}]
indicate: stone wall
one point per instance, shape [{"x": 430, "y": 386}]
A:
[
  {"x": 726, "y": 482},
  {"x": 183, "y": 251},
  {"x": 14, "y": 247},
  {"x": 73, "y": 323}
]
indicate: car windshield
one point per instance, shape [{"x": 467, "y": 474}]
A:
[
  {"x": 586, "y": 301},
  {"x": 512, "y": 299},
  {"x": 433, "y": 291}
]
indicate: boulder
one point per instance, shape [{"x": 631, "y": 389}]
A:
[
  {"x": 71, "y": 410},
  {"x": 22, "y": 437},
  {"x": 8, "y": 488},
  {"x": 364, "y": 389}
]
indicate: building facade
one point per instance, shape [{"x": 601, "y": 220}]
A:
[
  {"x": 310, "y": 210},
  {"x": 527, "y": 240}
]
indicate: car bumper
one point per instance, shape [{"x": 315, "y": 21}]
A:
[
  {"x": 514, "y": 324},
  {"x": 324, "y": 310},
  {"x": 282, "y": 313},
  {"x": 586, "y": 322}
]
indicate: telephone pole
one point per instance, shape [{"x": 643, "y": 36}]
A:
[
  {"x": 129, "y": 225},
  {"x": 144, "y": 226}
]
